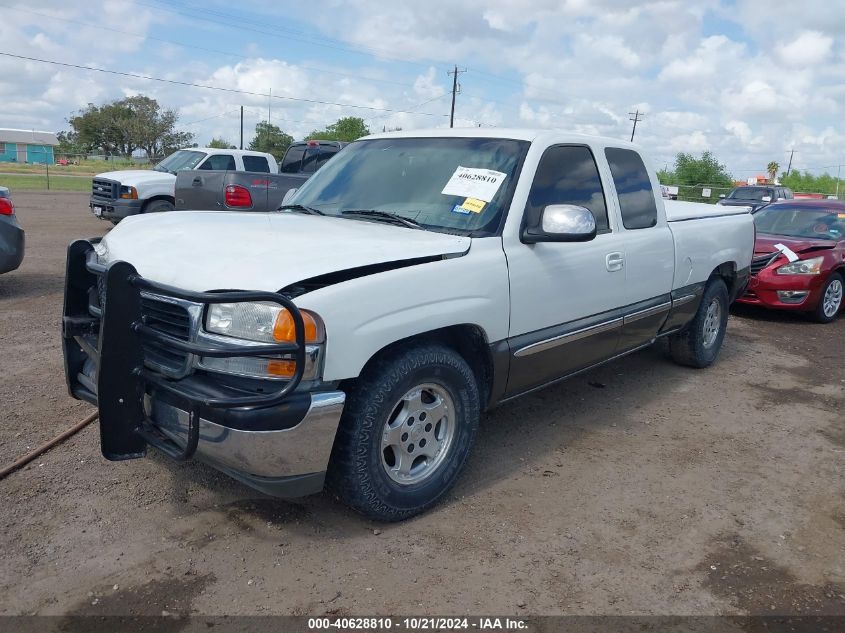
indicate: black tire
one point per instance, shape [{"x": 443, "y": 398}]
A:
[
  {"x": 158, "y": 206},
  {"x": 819, "y": 313},
  {"x": 357, "y": 473},
  {"x": 691, "y": 346}
]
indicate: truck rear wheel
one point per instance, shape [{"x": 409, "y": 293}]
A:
[
  {"x": 699, "y": 343},
  {"x": 406, "y": 432}
]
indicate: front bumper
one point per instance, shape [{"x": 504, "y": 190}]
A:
[
  {"x": 278, "y": 441},
  {"x": 765, "y": 288},
  {"x": 288, "y": 462},
  {"x": 114, "y": 209},
  {"x": 11, "y": 244}
]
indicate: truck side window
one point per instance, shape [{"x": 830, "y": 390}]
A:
[
  {"x": 633, "y": 187},
  {"x": 292, "y": 162},
  {"x": 256, "y": 163},
  {"x": 221, "y": 162},
  {"x": 567, "y": 174}
]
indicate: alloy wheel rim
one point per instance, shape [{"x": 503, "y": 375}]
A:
[
  {"x": 832, "y": 298},
  {"x": 712, "y": 323},
  {"x": 418, "y": 434}
]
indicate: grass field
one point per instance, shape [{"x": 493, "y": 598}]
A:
[
  {"x": 84, "y": 168},
  {"x": 20, "y": 182}
]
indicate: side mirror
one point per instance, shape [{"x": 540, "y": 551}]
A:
[
  {"x": 288, "y": 195},
  {"x": 766, "y": 198},
  {"x": 721, "y": 195},
  {"x": 562, "y": 223}
]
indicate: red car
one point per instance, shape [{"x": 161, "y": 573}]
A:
[{"x": 799, "y": 258}]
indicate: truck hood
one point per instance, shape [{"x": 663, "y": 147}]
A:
[
  {"x": 135, "y": 177},
  {"x": 216, "y": 250},
  {"x": 765, "y": 244}
]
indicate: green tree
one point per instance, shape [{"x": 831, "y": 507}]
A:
[
  {"x": 69, "y": 145},
  {"x": 667, "y": 177},
  {"x": 808, "y": 183},
  {"x": 772, "y": 169},
  {"x": 705, "y": 170},
  {"x": 219, "y": 143},
  {"x": 346, "y": 129},
  {"x": 123, "y": 126},
  {"x": 271, "y": 139}
]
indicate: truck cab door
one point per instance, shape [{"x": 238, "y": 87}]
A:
[
  {"x": 564, "y": 295},
  {"x": 649, "y": 248}
]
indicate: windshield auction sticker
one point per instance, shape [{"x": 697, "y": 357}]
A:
[{"x": 470, "y": 182}]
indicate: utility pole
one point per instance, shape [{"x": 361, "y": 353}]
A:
[
  {"x": 242, "y": 127},
  {"x": 838, "y": 169},
  {"x": 636, "y": 117},
  {"x": 455, "y": 88},
  {"x": 789, "y": 168},
  {"x": 269, "y": 103}
]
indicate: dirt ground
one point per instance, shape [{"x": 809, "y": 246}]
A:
[{"x": 638, "y": 488}]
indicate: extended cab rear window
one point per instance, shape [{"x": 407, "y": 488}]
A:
[
  {"x": 256, "y": 163},
  {"x": 633, "y": 188}
]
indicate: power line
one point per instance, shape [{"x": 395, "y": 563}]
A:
[
  {"x": 199, "y": 48},
  {"x": 218, "y": 88}
]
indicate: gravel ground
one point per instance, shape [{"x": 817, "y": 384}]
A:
[{"x": 640, "y": 487}]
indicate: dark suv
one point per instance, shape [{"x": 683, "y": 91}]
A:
[{"x": 756, "y": 196}]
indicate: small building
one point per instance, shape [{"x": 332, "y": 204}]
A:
[{"x": 27, "y": 146}]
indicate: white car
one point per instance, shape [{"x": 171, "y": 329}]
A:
[
  {"x": 355, "y": 336},
  {"x": 119, "y": 194}
]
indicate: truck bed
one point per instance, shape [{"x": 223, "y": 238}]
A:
[
  {"x": 679, "y": 211},
  {"x": 203, "y": 190}
]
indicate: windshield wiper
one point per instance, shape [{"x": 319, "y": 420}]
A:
[
  {"x": 387, "y": 216},
  {"x": 301, "y": 208}
]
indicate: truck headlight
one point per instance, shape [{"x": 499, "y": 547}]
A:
[
  {"x": 264, "y": 322},
  {"x": 802, "y": 267},
  {"x": 128, "y": 193}
]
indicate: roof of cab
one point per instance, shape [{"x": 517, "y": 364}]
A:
[
  {"x": 522, "y": 134},
  {"x": 218, "y": 150}
]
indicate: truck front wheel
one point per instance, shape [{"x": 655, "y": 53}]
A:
[
  {"x": 699, "y": 343},
  {"x": 158, "y": 206},
  {"x": 406, "y": 432}
]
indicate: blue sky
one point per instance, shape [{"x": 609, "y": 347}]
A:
[{"x": 749, "y": 80}]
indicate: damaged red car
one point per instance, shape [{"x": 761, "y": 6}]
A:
[{"x": 799, "y": 258}]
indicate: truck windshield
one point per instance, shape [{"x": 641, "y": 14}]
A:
[
  {"x": 453, "y": 185},
  {"x": 750, "y": 193},
  {"x": 180, "y": 161},
  {"x": 789, "y": 221}
]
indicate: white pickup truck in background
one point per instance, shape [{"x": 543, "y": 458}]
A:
[
  {"x": 119, "y": 194},
  {"x": 418, "y": 279}
]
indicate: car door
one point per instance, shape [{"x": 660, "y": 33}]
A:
[
  {"x": 649, "y": 248},
  {"x": 564, "y": 295}
]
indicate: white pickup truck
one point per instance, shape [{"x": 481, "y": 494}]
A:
[
  {"x": 354, "y": 337},
  {"x": 119, "y": 194}
]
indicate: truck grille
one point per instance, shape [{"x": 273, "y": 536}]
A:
[
  {"x": 760, "y": 262},
  {"x": 172, "y": 319},
  {"x": 104, "y": 189}
]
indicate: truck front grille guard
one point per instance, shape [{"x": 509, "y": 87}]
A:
[{"x": 122, "y": 377}]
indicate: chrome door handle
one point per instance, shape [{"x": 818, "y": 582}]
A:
[{"x": 614, "y": 262}]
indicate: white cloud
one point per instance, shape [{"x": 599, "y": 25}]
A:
[{"x": 809, "y": 48}]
